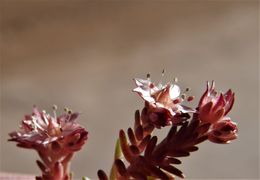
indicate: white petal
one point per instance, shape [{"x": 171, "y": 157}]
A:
[
  {"x": 145, "y": 94},
  {"x": 142, "y": 91},
  {"x": 148, "y": 99},
  {"x": 174, "y": 91},
  {"x": 142, "y": 82}
]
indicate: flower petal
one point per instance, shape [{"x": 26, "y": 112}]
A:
[{"x": 174, "y": 91}]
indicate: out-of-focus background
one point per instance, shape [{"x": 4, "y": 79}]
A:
[{"x": 84, "y": 55}]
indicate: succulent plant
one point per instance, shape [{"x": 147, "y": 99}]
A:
[{"x": 146, "y": 158}]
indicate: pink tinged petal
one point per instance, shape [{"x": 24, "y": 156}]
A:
[
  {"x": 228, "y": 95},
  {"x": 218, "y": 115},
  {"x": 141, "y": 91},
  {"x": 204, "y": 96},
  {"x": 220, "y": 103},
  {"x": 149, "y": 99},
  {"x": 74, "y": 116},
  {"x": 44, "y": 117},
  {"x": 36, "y": 125},
  {"x": 52, "y": 124},
  {"x": 62, "y": 118},
  {"x": 26, "y": 126},
  {"x": 230, "y": 98},
  {"x": 144, "y": 94},
  {"x": 28, "y": 117},
  {"x": 212, "y": 87},
  {"x": 36, "y": 112},
  {"x": 162, "y": 95},
  {"x": 142, "y": 82},
  {"x": 159, "y": 107},
  {"x": 204, "y": 111},
  {"x": 146, "y": 85}
]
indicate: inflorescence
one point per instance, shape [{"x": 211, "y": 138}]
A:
[{"x": 138, "y": 153}]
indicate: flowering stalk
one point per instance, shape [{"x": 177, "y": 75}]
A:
[
  {"x": 54, "y": 138},
  {"x": 144, "y": 158}
]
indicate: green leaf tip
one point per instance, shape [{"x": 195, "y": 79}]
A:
[{"x": 118, "y": 155}]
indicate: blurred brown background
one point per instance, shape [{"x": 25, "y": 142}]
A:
[{"x": 84, "y": 55}]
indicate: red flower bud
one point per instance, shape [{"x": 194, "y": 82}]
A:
[
  {"x": 213, "y": 106},
  {"x": 223, "y": 132}
]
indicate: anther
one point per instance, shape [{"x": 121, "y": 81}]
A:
[
  {"x": 54, "y": 107},
  {"x": 148, "y": 76},
  {"x": 175, "y": 79},
  {"x": 163, "y": 72},
  {"x": 187, "y": 89},
  {"x": 190, "y": 98},
  {"x": 183, "y": 96},
  {"x": 66, "y": 109},
  {"x": 176, "y": 101}
]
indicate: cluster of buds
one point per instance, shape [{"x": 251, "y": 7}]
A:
[
  {"x": 54, "y": 138},
  {"x": 213, "y": 108}
]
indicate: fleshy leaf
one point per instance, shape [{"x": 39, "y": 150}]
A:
[{"x": 118, "y": 155}]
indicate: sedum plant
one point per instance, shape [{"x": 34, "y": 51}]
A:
[
  {"x": 138, "y": 154},
  {"x": 55, "y": 139},
  {"x": 146, "y": 158}
]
